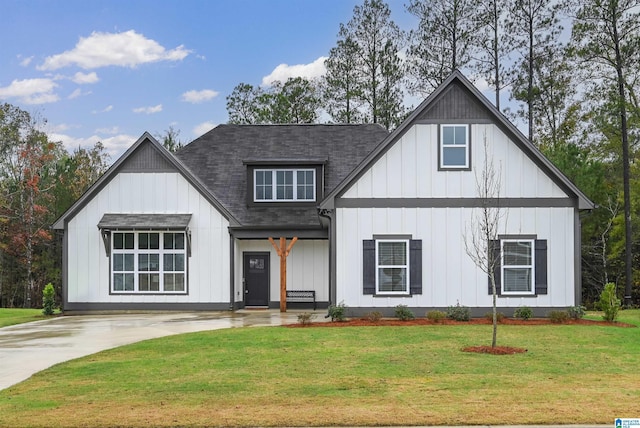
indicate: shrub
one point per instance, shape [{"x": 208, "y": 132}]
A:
[
  {"x": 436, "y": 316},
  {"x": 609, "y": 302},
  {"x": 499, "y": 316},
  {"x": 48, "y": 299},
  {"x": 306, "y": 318},
  {"x": 404, "y": 313},
  {"x": 338, "y": 312},
  {"x": 458, "y": 313},
  {"x": 523, "y": 312},
  {"x": 374, "y": 316},
  {"x": 576, "y": 312},
  {"x": 558, "y": 317}
]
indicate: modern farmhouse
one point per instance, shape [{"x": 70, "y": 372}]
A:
[{"x": 370, "y": 219}]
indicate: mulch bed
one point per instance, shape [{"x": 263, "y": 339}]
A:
[{"x": 498, "y": 350}]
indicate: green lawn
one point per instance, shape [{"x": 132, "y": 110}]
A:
[
  {"x": 19, "y": 316},
  {"x": 278, "y": 376}
]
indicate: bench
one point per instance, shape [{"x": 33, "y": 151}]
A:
[{"x": 300, "y": 296}]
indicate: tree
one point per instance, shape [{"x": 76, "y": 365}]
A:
[
  {"x": 242, "y": 104},
  {"x": 378, "y": 39},
  {"x": 446, "y": 37},
  {"x": 534, "y": 27},
  {"x": 482, "y": 244},
  {"x": 606, "y": 36},
  {"x": 494, "y": 44},
  {"x": 170, "y": 139},
  {"x": 341, "y": 83}
]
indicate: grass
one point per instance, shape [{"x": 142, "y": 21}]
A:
[
  {"x": 18, "y": 316},
  {"x": 277, "y": 376}
]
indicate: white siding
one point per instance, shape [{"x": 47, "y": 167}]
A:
[
  {"x": 449, "y": 275},
  {"x": 307, "y": 267},
  {"x": 409, "y": 169},
  {"x": 208, "y": 266}
]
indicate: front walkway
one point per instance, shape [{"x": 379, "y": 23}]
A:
[{"x": 28, "y": 348}]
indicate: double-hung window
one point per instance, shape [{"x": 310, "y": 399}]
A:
[
  {"x": 148, "y": 262},
  {"x": 392, "y": 266},
  {"x": 284, "y": 185},
  {"x": 518, "y": 261},
  {"x": 454, "y": 147}
]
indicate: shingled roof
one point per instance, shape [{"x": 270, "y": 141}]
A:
[{"x": 219, "y": 159}]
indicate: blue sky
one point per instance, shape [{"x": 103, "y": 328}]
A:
[{"x": 110, "y": 70}]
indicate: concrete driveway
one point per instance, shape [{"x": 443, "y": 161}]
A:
[{"x": 26, "y": 349}]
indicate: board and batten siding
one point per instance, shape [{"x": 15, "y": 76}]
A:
[
  {"x": 449, "y": 276},
  {"x": 307, "y": 267},
  {"x": 409, "y": 169},
  {"x": 150, "y": 193}
]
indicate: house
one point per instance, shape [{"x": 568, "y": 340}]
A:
[{"x": 380, "y": 218}]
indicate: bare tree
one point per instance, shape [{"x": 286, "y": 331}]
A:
[{"x": 481, "y": 240}]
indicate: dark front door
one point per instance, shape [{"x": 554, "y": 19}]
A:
[{"x": 256, "y": 279}]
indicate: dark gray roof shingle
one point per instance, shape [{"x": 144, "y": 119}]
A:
[{"x": 218, "y": 159}]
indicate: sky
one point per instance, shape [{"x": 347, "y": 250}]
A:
[{"x": 110, "y": 70}]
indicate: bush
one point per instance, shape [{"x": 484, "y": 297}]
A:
[
  {"x": 48, "y": 299},
  {"x": 576, "y": 312},
  {"x": 609, "y": 302},
  {"x": 374, "y": 316},
  {"x": 436, "y": 316},
  {"x": 338, "y": 312},
  {"x": 558, "y": 317},
  {"x": 404, "y": 313},
  {"x": 458, "y": 313},
  {"x": 499, "y": 316},
  {"x": 306, "y": 318},
  {"x": 523, "y": 312}
]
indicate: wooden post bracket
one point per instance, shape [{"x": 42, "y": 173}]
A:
[{"x": 283, "y": 252}]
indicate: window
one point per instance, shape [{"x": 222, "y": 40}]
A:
[
  {"x": 392, "y": 265},
  {"x": 454, "y": 147},
  {"x": 148, "y": 262},
  {"x": 517, "y": 267},
  {"x": 392, "y": 261},
  {"x": 284, "y": 185}
]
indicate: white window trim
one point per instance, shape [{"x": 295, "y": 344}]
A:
[
  {"x": 274, "y": 184},
  {"x": 136, "y": 251},
  {"x": 466, "y": 146},
  {"x": 405, "y": 266},
  {"x": 532, "y": 285}
]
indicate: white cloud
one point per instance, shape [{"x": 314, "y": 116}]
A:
[
  {"x": 78, "y": 93},
  {"x": 285, "y": 71},
  {"x": 127, "y": 49},
  {"x": 31, "y": 91},
  {"x": 84, "y": 78},
  {"x": 25, "y": 61},
  {"x": 107, "y": 109},
  {"x": 148, "y": 110},
  {"x": 203, "y": 128},
  {"x": 111, "y": 131},
  {"x": 115, "y": 146},
  {"x": 196, "y": 97}
]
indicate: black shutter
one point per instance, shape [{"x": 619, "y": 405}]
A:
[
  {"x": 369, "y": 266},
  {"x": 541, "y": 266},
  {"x": 415, "y": 269},
  {"x": 494, "y": 248}
]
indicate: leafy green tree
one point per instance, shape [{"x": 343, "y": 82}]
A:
[
  {"x": 445, "y": 40},
  {"x": 606, "y": 37},
  {"x": 534, "y": 27},
  {"x": 379, "y": 40},
  {"x": 170, "y": 139},
  {"x": 341, "y": 83},
  {"x": 242, "y": 104},
  {"x": 295, "y": 101}
]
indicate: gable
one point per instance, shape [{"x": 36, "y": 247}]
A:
[
  {"x": 455, "y": 104},
  {"x": 147, "y": 158}
]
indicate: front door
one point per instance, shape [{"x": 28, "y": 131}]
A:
[{"x": 256, "y": 279}]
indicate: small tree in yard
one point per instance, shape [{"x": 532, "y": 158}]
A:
[
  {"x": 480, "y": 241},
  {"x": 48, "y": 299}
]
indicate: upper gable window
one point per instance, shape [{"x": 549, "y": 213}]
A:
[
  {"x": 454, "y": 147},
  {"x": 284, "y": 185}
]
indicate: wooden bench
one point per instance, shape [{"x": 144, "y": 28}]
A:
[{"x": 302, "y": 296}]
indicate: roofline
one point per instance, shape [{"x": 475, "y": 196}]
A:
[
  {"x": 115, "y": 168},
  {"x": 583, "y": 201}
]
